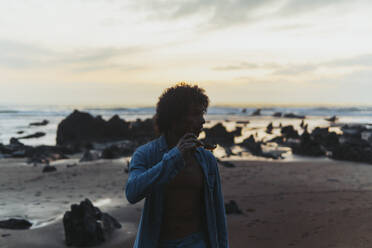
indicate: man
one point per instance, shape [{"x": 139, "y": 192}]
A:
[{"x": 180, "y": 180}]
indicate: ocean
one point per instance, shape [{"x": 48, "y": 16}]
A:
[{"x": 18, "y": 118}]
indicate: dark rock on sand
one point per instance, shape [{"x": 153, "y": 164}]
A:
[
  {"x": 289, "y": 132},
  {"x": 354, "y": 131},
  {"x": 257, "y": 112},
  {"x": 49, "y": 168},
  {"x": 81, "y": 128},
  {"x": 253, "y": 146},
  {"x": 328, "y": 139},
  {"x": 232, "y": 208},
  {"x": 86, "y": 225},
  {"x": 89, "y": 155},
  {"x": 353, "y": 151},
  {"x": 142, "y": 131},
  {"x": 35, "y": 135},
  {"x": 43, "y": 123},
  {"x": 332, "y": 119},
  {"x": 43, "y": 153},
  {"x": 242, "y": 122},
  {"x": 14, "y": 143},
  {"x": 225, "y": 163},
  {"x": 126, "y": 169},
  {"x": 117, "y": 151},
  {"x": 256, "y": 149},
  {"x": 15, "y": 224},
  {"x": 20, "y": 132},
  {"x": 269, "y": 128},
  {"x": 277, "y": 114},
  {"x": 219, "y": 135},
  {"x": 308, "y": 146},
  {"x": 291, "y": 115}
]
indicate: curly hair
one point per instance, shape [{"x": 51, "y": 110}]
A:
[{"x": 175, "y": 102}]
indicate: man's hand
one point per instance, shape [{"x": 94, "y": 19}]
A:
[{"x": 187, "y": 144}]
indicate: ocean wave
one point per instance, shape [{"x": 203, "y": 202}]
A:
[{"x": 9, "y": 111}]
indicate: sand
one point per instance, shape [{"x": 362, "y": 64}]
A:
[{"x": 313, "y": 203}]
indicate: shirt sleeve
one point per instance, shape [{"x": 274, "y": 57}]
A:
[
  {"x": 222, "y": 234},
  {"x": 142, "y": 181}
]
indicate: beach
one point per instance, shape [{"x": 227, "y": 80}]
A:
[{"x": 308, "y": 203}]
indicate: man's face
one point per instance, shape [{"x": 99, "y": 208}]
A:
[{"x": 192, "y": 122}]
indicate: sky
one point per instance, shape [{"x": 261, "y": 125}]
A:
[{"x": 242, "y": 52}]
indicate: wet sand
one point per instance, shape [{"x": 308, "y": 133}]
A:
[{"x": 309, "y": 203}]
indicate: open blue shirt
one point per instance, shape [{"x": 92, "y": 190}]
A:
[{"x": 151, "y": 167}]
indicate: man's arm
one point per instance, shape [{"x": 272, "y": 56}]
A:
[
  {"x": 220, "y": 211},
  {"x": 141, "y": 180}
]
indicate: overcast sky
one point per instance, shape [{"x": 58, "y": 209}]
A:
[{"x": 108, "y": 52}]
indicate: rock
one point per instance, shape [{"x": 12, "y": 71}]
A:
[
  {"x": 219, "y": 135},
  {"x": 328, "y": 139},
  {"x": 142, "y": 131},
  {"x": 242, "y": 122},
  {"x": 308, "y": 146},
  {"x": 278, "y": 140},
  {"x": 332, "y": 119},
  {"x": 71, "y": 165},
  {"x": 35, "y": 135},
  {"x": 126, "y": 170},
  {"x": 225, "y": 163},
  {"x": 354, "y": 131},
  {"x": 43, "y": 153},
  {"x": 49, "y": 168},
  {"x": 244, "y": 110},
  {"x": 367, "y": 136},
  {"x": 269, "y": 128},
  {"x": 232, "y": 208},
  {"x": 257, "y": 112},
  {"x": 302, "y": 124},
  {"x": 89, "y": 156},
  {"x": 277, "y": 114},
  {"x": 289, "y": 132},
  {"x": 14, "y": 142},
  {"x": 115, "y": 151},
  {"x": 43, "y": 123},
  {"x": 237, "y": 132},
  {"x": 353, "y": 151},
  {"x": 86, "y": 225},
  {"x": 15, "y": 224},
  {"x": 253, "y": 146},
  {"x": 20, "y": 132},
  {"x": 291, "y": 115},
  {"x": 80, "y": 128}
]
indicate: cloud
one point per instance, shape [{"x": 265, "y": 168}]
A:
[
  {"x": 246, "y": 66},
  {"x": 363, "y": 60},
  {"x": 18, "y": 55},
  {"x": 226, "y": 13}
]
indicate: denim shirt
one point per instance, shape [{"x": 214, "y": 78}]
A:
[{"x": 151, "y": 167}]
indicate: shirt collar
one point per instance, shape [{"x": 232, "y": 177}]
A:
[{"x": 163, "y": 143}]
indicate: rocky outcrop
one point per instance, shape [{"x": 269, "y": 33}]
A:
[
  {"x": 15, "y": 224},
  {"x": 219, "y": 135},
  {"x": 232, "y": 208},
  {"x": 35, "y": 135},
  {"x": 86, "y": 225},
  {"x": 81, "y": 129},
  {"x": 43, "y": 123},
  {"x": 291, "y": 115}
]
